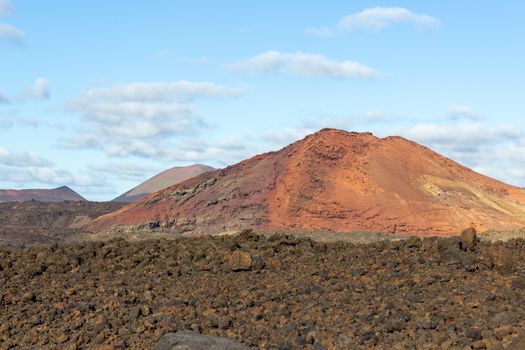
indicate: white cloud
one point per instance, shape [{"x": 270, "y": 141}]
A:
[
  {"x": 10, "y": 34},
  {"x": 304, "y": 64},
  {"x": 141, "y": 120},
  {"x": 5, "y": 7},
  {"x": 159, "y": 91},
  {"x": 378, "y": 18},
  {"x": 41, "y": 88},
  {"x": 146, "y": 120},
  {"x": 23, "y": 159},
  {"x": 462, "y": 112}
]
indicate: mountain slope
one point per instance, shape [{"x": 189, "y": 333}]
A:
[
  {"x": 165, "y": 179},
  {"x": 331, "y": 180},
  {"x": 58, "y": 194}
]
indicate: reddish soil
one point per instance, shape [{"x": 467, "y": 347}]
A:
[
  {"x": 165, "y": 179},
  {"x": 59, "y": 194},
  {"x": 330, "y": 181}
]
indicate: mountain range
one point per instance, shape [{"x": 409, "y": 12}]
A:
[{"x": 58, "y": 194}]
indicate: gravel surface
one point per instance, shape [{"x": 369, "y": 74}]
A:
[{"x": 276, "y": 292}]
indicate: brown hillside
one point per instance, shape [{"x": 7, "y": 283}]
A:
[
  {"x": 331, "y": 180},
  {"x": 163, "y": 180}
]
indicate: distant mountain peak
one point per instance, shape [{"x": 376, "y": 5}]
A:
[
  {"x": 59, "y": 194},
  {"x": 162, "y": 180}
]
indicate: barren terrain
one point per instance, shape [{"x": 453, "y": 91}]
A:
[{"x": 267, "y": 292}]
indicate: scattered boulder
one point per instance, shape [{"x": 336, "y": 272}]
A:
[
  {"x": 469, "y": 239},
  {"x": 242, "y": 261},
  {"x": 187, "y": 340}
]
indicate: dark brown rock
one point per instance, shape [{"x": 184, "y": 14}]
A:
[
  {"x": 242, "y": 261},
  {"x": 186, "y": 340}
]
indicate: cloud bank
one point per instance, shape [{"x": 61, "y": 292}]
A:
[
  {"x": 303, "y": 64},
  {"x": 378, "y": 18},
  {"x": 23, "y": 159},
  {"x": 153, "y": 120}
]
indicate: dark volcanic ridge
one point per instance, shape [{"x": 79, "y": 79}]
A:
[
  {"x": 59, "y": 194},
  {"x": 30, "y": 223},
  {"x": 280, "y": 292},
  {"x": 333, "y": 181}
]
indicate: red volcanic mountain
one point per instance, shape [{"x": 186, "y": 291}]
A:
[
  {"x": 331, "y": 181},
  {"x": 160, "y": 181},
  {"x": 59, "y": 194}
]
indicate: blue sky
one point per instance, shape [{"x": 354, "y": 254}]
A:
[{"x": 100, "y": 95}]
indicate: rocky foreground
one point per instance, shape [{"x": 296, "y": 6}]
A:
[{"x": 277, "y": 292}]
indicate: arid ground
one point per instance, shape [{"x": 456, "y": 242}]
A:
[{"x": 266, "y": 292}]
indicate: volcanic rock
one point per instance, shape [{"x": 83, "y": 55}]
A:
[
  {"x": 160, "y": 181},
  {"x": 381, "y": 295},
  {"x": 187, "y": 340},
  {"x": 469, "y": 239},
  {"x": 330, "y": 181}
]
